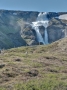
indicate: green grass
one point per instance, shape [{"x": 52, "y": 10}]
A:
[
  {"x": 45, "y": 84},
  {"x": 50, "y": 64}
]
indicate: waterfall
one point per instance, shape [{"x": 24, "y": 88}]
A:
[
  {"x": 39, "y": 36},
  {"x": 46, "y": 36},
  {"x": 41, "y": 21}
]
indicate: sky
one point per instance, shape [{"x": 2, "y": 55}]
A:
[{"x": 35, "y": 5}]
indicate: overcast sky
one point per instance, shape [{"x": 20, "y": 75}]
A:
[{"x": 34, "y": 5}]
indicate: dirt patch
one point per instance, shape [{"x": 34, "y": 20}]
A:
[{"x": 33, "y": 73}]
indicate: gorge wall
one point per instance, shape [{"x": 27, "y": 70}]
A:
[{"x": 21, "y": 28}]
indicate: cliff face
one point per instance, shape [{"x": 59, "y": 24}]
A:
[
  {"x": 16, "y": 29},
  {"x": 56, "y": 30}
]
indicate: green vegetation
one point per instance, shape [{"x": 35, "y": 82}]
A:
[{"x": 34, "y": 67}]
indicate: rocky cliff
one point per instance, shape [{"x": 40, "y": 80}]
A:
[{"x": 16, "y": 29}]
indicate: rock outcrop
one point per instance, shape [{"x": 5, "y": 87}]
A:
[{"x": 56, "y": 30}]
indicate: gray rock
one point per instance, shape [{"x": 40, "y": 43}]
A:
[{"x": 2, "y": 65}]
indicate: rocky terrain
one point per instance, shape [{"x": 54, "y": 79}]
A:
[
  {"x": 16, "y": 29},
  {"x": 34, "y": 67}
]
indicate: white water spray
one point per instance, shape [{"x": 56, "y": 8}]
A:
[
  {"x": 39, "y": 36},
  {"x": 41, "y": 21}
]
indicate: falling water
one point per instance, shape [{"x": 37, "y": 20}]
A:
[
  {"x": 46, "y": 36},
  {"x": 41, "y": 21},
  {"x": 39, "y": 36}
]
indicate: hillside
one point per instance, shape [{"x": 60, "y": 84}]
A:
[
  {"x": 11, "y": 25},
  {"x": 34, "y": 67}
]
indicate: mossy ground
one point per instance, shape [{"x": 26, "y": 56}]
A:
[{"x": 34, "y": 68}]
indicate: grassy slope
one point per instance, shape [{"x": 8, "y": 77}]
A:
[{"x": 49, "y": 63}]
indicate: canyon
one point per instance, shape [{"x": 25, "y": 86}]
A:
[{"x": 26, "y": 28}]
